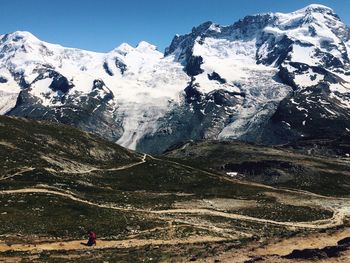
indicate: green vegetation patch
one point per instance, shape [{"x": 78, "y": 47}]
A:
[
  {"x": 285, "y": 213},
  {"x": 41, "y": 214}
]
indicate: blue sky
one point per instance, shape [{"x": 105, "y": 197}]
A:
[{"x": 101, "y": 25}]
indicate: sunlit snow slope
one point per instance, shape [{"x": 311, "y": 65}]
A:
[{"x": 268, "y": 78}]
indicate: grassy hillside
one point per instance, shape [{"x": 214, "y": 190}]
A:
[
  {"x": 25, "y": 143},
  {"x": 57, "y": 182},
  {"x": 278, "y": 166}
]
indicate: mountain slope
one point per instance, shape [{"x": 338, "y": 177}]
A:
[
  {"x": 112, "y": 94},
  {"x": 58, "y": 182},
  {"x": 277, "y": 166},
  {"x": 292, "y": 69},
  {"x": 271, "y": 78},
  {"x": 56, "y": 147}
]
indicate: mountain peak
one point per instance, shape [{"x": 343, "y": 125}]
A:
[
  {"x": 123, "y": 48},
  {"x": 20, "y": 35},
  {"x": 202, "y": 27},
  {"x": 258, "y": 79},
  {"x": 143, "y": 45},
  {"x": 314, "y": 9},
  {"x": 317, "y": 8}
]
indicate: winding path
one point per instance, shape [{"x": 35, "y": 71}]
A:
[
  {"x": 103, "y": 244},
  {"x": 336, "y": 220},
  {"x": 124, "y": 167},
  {"x": 21, "y": 171}
]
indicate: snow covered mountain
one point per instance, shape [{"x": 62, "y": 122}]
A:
[
  {"x": 119, "y": 95},
  {"x": 269, "y": 78}
]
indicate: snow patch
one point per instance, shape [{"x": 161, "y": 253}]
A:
[{"x": 232, "y": 174}]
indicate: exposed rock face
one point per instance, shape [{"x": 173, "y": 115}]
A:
[
  {"x": 91, "y": 112},
  {"x": 269, "y": 78},
  {"x": 321, "y": 253}
]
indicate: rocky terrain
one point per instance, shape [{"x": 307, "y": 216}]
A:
[
  {"x": 270, "y": 78},
  {"x": 231, "y": 146},
  {"x": 58, "y": 182}
]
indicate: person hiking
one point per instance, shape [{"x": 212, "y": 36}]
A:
[{"x": 91, "y": 240}]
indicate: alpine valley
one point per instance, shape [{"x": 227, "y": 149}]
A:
[
  {"x": 231, "y": 146},
  {"x": 269, "y": 78}
]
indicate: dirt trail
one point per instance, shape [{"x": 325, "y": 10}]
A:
[
  {"x": 124, "y": 167},
  {"x": 103, "y": 244},
  {"x": 21, "y": 171},
  {"x": 319, "y": 240},
  {"x": 336, "y": 220},
  {"x": 275, "y": 249},
  {"x": 69, "y": 196}
]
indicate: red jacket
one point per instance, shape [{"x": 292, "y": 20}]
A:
[{"x": 92, "y": 238}]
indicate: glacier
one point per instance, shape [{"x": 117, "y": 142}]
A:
[{"x": 243, "y": 81}]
